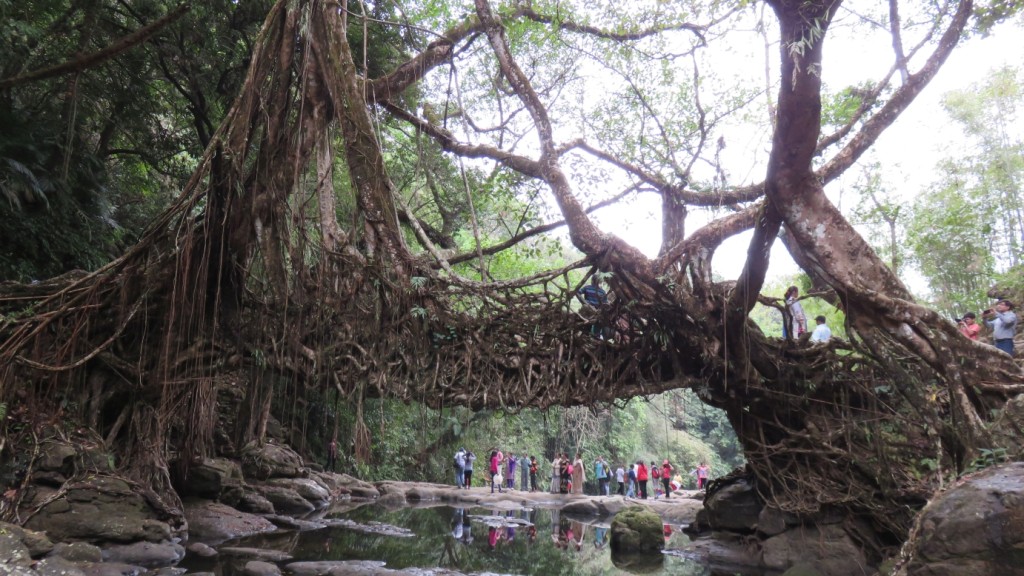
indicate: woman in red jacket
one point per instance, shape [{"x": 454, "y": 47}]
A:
[
  {"x": 641, "y": 478},
  {"x": 666, "y": 475}
]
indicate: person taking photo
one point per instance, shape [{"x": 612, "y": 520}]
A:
[{"x": 1003, "y": 322}]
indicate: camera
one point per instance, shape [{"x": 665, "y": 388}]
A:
[{"x": 987, "y": 311}]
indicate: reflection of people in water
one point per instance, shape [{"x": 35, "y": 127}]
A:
[
  {"x": 554, "y": 527},
  {"x": 457, "y": 523},
  {"x": 668, "y": 531},
  {"x": 600, "y": 535},
  {"x": 580, "y": 530},
  {"x": 492, "y": 537},
  {"x": 467, "y": 530},
  {"x": 564, "y": 530},
  {"x": 510, "y": 530}
]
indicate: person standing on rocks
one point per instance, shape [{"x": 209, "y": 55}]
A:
[
  {"x": 579, "y": 474},
  {"x": 332, "y": 454},
  {"x": 468, "y": 472},
  {"x": 533, "y": 473},
  {"x": 620, "y": 478},
  {"x": 460, "y": 468},
  {"x": 511, "y": 478},
  {"x": 631, "y": 492},
  {"x": 702, "y": 475},
  {"x": 655, "y": 478},
  {"x": 641, "y": 478},
  {"x": 600, "y": 472},
  {"x": 564, "y": 474},
  {"x": 524, "y": 472},
  {"x": 494, "y": 469},
  {"x": 554, "y": 473},
  {"x": 666, "y": 477}
]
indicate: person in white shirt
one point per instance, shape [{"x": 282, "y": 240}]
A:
[{"x": 821, "y": 333}]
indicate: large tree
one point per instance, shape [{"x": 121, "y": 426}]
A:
[{"x": 252, "y": 270}]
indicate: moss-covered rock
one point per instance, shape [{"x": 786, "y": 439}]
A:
[{"x": 637, "y": 529}]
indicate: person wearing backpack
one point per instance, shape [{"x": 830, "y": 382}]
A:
[{"x": 460, "y": 468}]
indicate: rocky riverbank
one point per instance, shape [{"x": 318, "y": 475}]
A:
[
  {"x": 77, "y": 517},
  {"x": 91, "y": 522}
]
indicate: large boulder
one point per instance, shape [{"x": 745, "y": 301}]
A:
[
  {"x": 269, "y": 460},
  {"x": 214, "y": 522},
  {"x": 13, "y": 551},
  {"x": 735, "y": 506},
  {"x": 99, "y": 509},
  {"x": 309, "y": 488},
  {"x": 354, "y": 487},
  {"x": 59, "y": 460},
  {"x": 146, "y": 554},
  {"x": 211, "y": 478},
  {"x": 822, "y": 550},
  {"x": 637, "y": 529},
  {"x": 286, "y": 500},
  {"x": 975, "y": 528},
  {"x": 15, "y": 537}
]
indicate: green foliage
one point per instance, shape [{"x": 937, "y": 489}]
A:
[
  {"x": 987, "y": 458},
  {"x": 967, "y": 227},
  {"x": 880, "y": 209},
  {"x": 411, "y": 442},
  {"x": 838, "y": 109}
]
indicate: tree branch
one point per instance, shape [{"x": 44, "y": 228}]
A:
[{"x": 89, "y": 60}]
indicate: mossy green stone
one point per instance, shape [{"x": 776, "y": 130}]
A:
[{"x": 637, "y": 529}]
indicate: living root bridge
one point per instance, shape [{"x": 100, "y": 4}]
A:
[{"x": 250, "y": 270}]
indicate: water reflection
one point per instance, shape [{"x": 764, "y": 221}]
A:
[{"x": 444, "y": 538}]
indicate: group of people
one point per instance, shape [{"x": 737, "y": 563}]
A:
[
  {"x": 633, "y": 482},
  {"x": 501, "y": 471},
  {"x": 1000, "y": 318},
  {"x": 568, "y": 476},
  {"x": 795, "y": 325}
]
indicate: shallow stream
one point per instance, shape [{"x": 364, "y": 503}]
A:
[{"x": 472, "y": 540}]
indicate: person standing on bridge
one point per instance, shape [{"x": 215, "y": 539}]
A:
[
  {"x": 595, "y": 296},
  {"x": 822, "y": 333},
  {"x": 794, "y": 321},
  {"x": 969, "y": 326},
  {"x": 1003, "y": 322}
]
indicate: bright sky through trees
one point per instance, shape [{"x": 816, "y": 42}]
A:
[{"x": 908, "y": 151}]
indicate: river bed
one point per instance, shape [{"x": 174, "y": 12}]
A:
[{"x": 468, "y": 540}]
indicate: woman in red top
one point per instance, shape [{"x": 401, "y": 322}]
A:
[
  {"x": 495, "y": 466},
  {"x": 666, "y": 476},
  {"x": 641, "y": 478}
]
